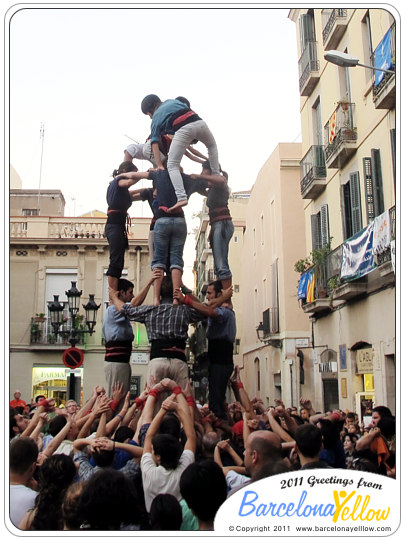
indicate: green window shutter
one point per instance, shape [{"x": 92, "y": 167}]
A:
[
  {"x": 355, "y": 202},
  {"x": 368, "y": 188},
  {"x": 377, "y": 182},
  {"x": 316, "y": 231},
  {"x": 324, "y": 225},
  {"x": 394, "y": 153}
]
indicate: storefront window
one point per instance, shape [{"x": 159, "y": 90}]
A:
[{"x": 52, "y": 382}]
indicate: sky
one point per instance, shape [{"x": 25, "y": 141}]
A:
[{"x": 82, "y": 72}]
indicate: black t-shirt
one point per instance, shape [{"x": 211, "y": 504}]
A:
[
  {"x": 118, "y": 198},
  {"x": 217, "y": 197}
]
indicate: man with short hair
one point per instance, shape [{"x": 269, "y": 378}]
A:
[
  {"x": 23, "y": 458},
  {"x": 262, "y": 458},
  {"x": 17, "y": 401},
  {"x": 308, "y": 444},
  {"x": 118, "y": 335},
  {"x": 203, "y": 487},
  {"x": 221, "y": 336},
  {"x": 18, "y": 423}
]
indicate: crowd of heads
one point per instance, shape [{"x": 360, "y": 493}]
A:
[{"x": 97, "y": 483}]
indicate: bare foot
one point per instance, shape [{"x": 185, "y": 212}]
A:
[{"x": 179, "y": 204}]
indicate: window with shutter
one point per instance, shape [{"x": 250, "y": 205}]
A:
[
  {"x": 316, "y": 231},
  {"x": 355, "y": 202},
  {"x": 368, "y": 188},
  {"x": 324, "y": 225},
  {"x": 393, "y": 152},
  {"x": 307, "y": 29},
  {"x": 376, "y": 174}
]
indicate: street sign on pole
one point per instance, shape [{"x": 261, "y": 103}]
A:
[{"x": 73, "y": 357}]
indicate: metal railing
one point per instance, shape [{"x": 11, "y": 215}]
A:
[
  {"x": 327, "y": 273},
  {"x": 312, "y": 166},
  {"x": 41, "y": 333},
  {"x": 331, "y": 16},
  {"x": 344, "y": 130},
  {"x": 308, "y": 62},
  {"x": 386, "y": 77}
]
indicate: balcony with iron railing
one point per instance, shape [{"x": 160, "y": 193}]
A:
[
  {"x": 384, "y": 57},
  {"x": 308, "y": 66},
  {"x": 329, "y": 287},
  {"x": 41, "y": 333},
  {"x": 313, "y": 172},
  {"x": 334, "y": 23},
  {"x": 340, "y": 136}
]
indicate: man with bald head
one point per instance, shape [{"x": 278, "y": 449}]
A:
[{"x": 262, "y": 458}]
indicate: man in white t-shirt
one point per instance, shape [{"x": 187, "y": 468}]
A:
[
  {"x": 163, "y": 462},
  {"x": 23, "y": 458}
]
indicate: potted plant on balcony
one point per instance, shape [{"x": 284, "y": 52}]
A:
[
  {"x": 39, "y": 317},
  {"x": 35, "y": 332}
]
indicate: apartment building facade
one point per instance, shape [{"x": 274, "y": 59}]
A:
[
  {"x": 348, "y": 172},
  {"x": 276, "y": 337},
  {"x": 48, "y": 252}
]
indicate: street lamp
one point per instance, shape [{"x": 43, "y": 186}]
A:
[
  {"x": 56, "y": 308},
  {"x": 262, "y": 331},
  {"x": 346, "y": 60}
]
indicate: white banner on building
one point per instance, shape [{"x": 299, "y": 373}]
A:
[{"x": 382, "y": 233}]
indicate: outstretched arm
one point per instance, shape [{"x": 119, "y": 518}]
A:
[
  {"x": 205, "y": 309},
  {"x": 140, "y": 297},
  {"x": 128, "y": 179},
  {"x": 212, "y": 179},
  {"x": 194, "y": 151},
  {"x": 156, "y": 155}
]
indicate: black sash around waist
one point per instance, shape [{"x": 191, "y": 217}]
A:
[
  {"x": 168, "y": 348},
  {"x": 118, "y": 351}
]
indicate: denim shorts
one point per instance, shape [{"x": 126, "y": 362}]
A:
[{"x": 169, "y": 236}]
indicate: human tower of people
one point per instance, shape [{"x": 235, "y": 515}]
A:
[{"x": 165, "y": 461}]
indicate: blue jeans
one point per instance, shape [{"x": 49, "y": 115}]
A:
[
  {"x": 182, "y": 138},
  {"x": 220, "y": 236},
  {"x": 169, "y": 236}
]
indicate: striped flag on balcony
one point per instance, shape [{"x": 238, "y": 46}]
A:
[{"x": 332, "y": 128}]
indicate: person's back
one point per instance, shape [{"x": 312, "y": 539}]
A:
[
  {"x": 165, "y": 513},
  {"x": 165, "y": 476},
  {"x": 308, "y": 442},
  {"x": 23, "y": 457},
  {"x": 203, "y": 487}
]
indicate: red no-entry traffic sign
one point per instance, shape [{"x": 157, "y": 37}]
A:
[{"x": 73, "y": 357}]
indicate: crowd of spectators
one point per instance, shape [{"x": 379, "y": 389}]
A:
[{"x": 165, "y": 462}]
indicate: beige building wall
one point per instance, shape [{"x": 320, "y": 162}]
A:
[
  {"x": 274, "y": 239},
  {"x": 25, "y": 202},
  {"x": 54, "y": 246},
  {"x": 15, "y": 180},
  {"x": 349, "y": 322}
]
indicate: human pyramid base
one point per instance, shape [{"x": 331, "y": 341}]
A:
[{"x": 164, "y": 461}]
